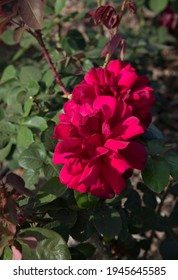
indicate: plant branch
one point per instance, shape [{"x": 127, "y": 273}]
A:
[
  {"x": 122, "y": 10},
  {"x": 37, "y": 34},
  {"x": 39, "y": 37},
  {"x": 108, "y": 56}
]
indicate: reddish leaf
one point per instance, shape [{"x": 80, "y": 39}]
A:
[
  {"x": 32, "y": 12},
  {"x": 111, "y": 20},
  {"x": 112, "y": 45},
  {"x": 31, "y": 241},
  {"x": 105, "y": 14},
  {"x": 90, "y": 16},
  {"x": 18, "y": 184},
  {"x": 101, "y": 12},
  {"x": 108, "y": 16},
  {"x": 11, "y": 211}
]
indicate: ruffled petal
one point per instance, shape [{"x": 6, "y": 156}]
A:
[
  {"x": 135, "y": 154},
  {"x": 115, "y": 67},
  {"x": 128, "y": 129},
  {"x": 115, "y": 145},
  {"x": 127, "y": 77},
  {"x": 113, "y": 177},
  {"x": 102, "y": 189}
]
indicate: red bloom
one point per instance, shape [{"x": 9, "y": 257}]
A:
[
  {"x": 99, "y": 147},
  {"x": 121, "y": 81}
]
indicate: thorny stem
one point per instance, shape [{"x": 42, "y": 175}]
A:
[
  {"x": 158, "y": 211},
  {"x": 37, "y": 34},
  {"x": 39, "y": 37},
  {"x": 124, "y": 3}
]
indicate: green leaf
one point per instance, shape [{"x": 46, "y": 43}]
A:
[
  {"x": 8, "y": 37},
  {"x": 83, "y": 227},
  {"x": 32, "y": 87},
  {"x": 155, "y": 146},
  {"x": 29, "y": 73},
  {"x": 133, "y": 200},
  {"x": 156, "y": 174},
  {"x": 37, "y": 122},
  {"x": 26, "y": 42},
  {"x": 82, "y": 251},
  {"x": 50, "y": 191},
  {"x": 158, "y": 5},
  {"x": 107, "y": 221},
  {"x": 175, "y": 6},
  {"x": 5, "y": 151},
  {"x": 142, "y": 219},
  {"x": 27, "y": 107},
  {"x": 8, "y": 130},
  {"x": 7, "y": 254},
  {"x": 66, "y": 217},
  {"x": 8, "y": 74},
  {"x": 4, "y": 242},
  {"x": 162, "y": 32},
  {"x": 48, "y": 78},
  {"x": 31, "y": 12},
  {"x": 24, "y": 136},
  {"x": 50, "y": 170},
  {"x": 47, "y": 138},
  {"x": 85, "y": 200},
  {"x": 153, "y": 133},
  {"x": 174, "y": 190},
  {"x": 149, "y": 199},
  {"x": 87, "y": 65},
  {"x": 59, "y": 5},
  {"x": 86, "y": 249},
  {"x": 73, "y": 41},
  {"x": 31, "y": 177},
  {"x": 33, "y": 157},
  {"x": 169, "y": 249},
  {"x": 172, "y": 159},
  {"x": 50, "y": 246}
]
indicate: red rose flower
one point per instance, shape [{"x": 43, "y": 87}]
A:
[
  {"x": 121, "y": 81},
  {"x": 98, "y": 137}
]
